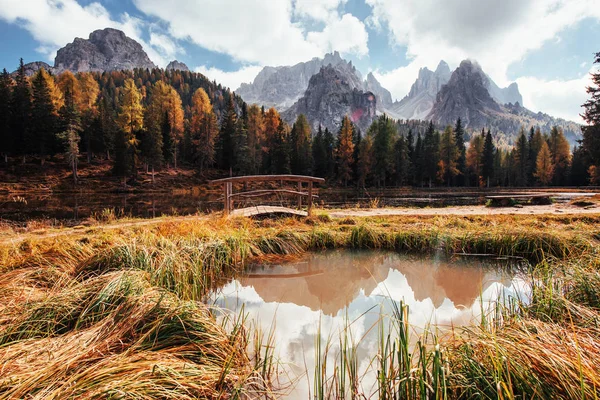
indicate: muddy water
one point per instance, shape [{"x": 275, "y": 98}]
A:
[{"x": 342, "y": 289}]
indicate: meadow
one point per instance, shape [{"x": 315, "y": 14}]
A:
[{"x": 119, "y": 310}]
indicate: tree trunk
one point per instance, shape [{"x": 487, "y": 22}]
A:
[
  {"x": 108, "y": 154},
  {"x": 153, "y": 174}
]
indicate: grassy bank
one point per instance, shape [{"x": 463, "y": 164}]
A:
[{"x": 118, "y": 312}]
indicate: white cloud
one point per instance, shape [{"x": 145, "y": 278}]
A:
[
  {"x": 319, "y": 10},
  {"x": 346, "y": 35},
  {"x": 256, "y": 31},
  {"x": 231, "y": 79},
  {"x": 167, "y": 46},
  {"x": 55, "y": 23},
  {"x": 496, "y": 34},
  {"x": 558, "y": 98}
]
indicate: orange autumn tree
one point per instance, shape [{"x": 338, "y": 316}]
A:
[
  {"x": 203, "y": 129},
  {"x": 130, "y": 120},
  {"x": 256, "y": 138},
  {"x": 544, "y": 168},
  {"x": 345, "y": 151}
]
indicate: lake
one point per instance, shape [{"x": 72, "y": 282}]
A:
[{"x": 327, "y": 294}]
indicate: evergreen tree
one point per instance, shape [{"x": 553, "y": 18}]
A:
[
  {"x": 419, "y": 161},
  {"x": 591, "y": 132},
  {"x": 487, "y": 163},
  {"x": 356, "y": 140},
  {"x": 345, "y": 151},
  {"x": 88, "y": 109},
  {"x": 401, "y": 161},
  {"x": 280, "y": 153},
  {"x": 319, "y": 153},
  {"x": 544, "y": 170},
  {"x": 410, "y": 148},
  {"x": 383, "y": 146},
  {"x": 240, "y": 145},
  {"x": 461, "y": 161},
  {"x": 329, "y": 144},
  {"x": 431, "y": 154},
  {"x": 579, "y": 174},
  {"x": 521, "y": 156},
  {"x": 70, "y": 122},
  {"x": 226, "y": 137},
  {"x": 301, "y": 147},
  {"x": 365, "y": 160},
  {"x": 6, "y": 139},
  {"x": 107, "y": 126},
  {"x": 20, "y": 114},
  {"x": 449, "y": 154},
  {"x": 43, "y": 115}
]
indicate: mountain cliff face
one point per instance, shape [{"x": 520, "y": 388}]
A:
[
  {"x": 419, "y": 101},
  {"x": 332, "y": 94},
  {"x": 105, "y": 50},
  {"x": 280, "y": 87},
  {"x": 507, "y": 95},
  {"x": 177, "y": 66},
  {"x": 467, "y": 96},
  {"x": 384, "y": 97}
]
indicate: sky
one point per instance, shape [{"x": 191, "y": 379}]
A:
[{"x": 546, "y": 46}]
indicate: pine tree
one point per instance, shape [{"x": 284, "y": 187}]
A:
[
  {"x": 591, "y": 132},
  {"x": 6, "y": 139},
  {"x": 461, "y": 161},
  {"x": 130, "y": 121},
  {"x": 431, "y": 153},
  {"x": 449, "y": 154},
  {"x": 419, "y": 161},
  {"x": 365, "y": 160},
  {"x": 401, "y": 161},
  {"x": 226, "y": 137},
  {"x": 579, "y": 174},
  {"x": 319, "y": 154},
  {"x": 521, "y": 154},
  {"x": 301, "y": 147},
  {"x": 534, "y": 145},
  {"x": 410, "y": 148},
  {"x": 20, "y": 113},
  {"x": 240, "y": 145},
  {"x": 329, "y": 144},
  {"x": 487, "y": 167},
  {"x": 383, "y": 149},
  {"x": 90, "y": 90},
  {"x": 107, "y": 126},
  {"x": 271, "y": 121},
  {"x": 43, "y": 115},
  {"x": 544, "y": 170},
  {"x": 345, "y": 151},
  {"x": 280, "y": 152},
  {"x": 70, "y": 122}
]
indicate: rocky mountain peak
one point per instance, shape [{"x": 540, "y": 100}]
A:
[
  {"x": 384, "y": 97},
  {"x": 332, "y": 94},
  {"x": 177, "y": 66},
  {"x": 105, "y": 50},
  {"x": 442, "y": 69}
]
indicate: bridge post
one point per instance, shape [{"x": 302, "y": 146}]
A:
[
  {"x": 299, "y": 196},
  {"x": 226, "y": 198},
  {"x": 310, "y": 197}
]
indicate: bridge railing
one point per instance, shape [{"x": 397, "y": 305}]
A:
[{"x": 229, "y": 195}]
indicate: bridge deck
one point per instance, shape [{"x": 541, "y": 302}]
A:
[{"x": 266, "y": 210}]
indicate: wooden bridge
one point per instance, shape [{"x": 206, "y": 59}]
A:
[{"x": 279, "y": 181}]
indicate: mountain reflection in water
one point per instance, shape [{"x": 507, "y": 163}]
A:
[{"x": 347, "y": 289}]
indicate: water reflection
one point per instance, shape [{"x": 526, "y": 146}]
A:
[{"x": 352, "y": 290}]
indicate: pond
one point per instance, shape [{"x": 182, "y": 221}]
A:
[
  {"x": 77, "y": 206},
  {"x": 312, "y": 301}
]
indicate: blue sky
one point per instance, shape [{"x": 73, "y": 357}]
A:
[{"x": 546, "y": 46}]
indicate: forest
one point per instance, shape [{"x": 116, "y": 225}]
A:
[{"x": 147, "y": 120}]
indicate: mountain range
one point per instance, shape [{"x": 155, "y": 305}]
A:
[{"x": 326, "y": 89}]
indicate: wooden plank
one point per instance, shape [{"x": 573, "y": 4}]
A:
[
  {"x": 226, "y": 198},
  {"x": 266, "y": 178},
  {"x": 265, "y": 192},
  {"x": 300, "y": 195},
  {"x": 265, "y": 210},
  {"x": 518, "y": 196},
  {"x": 310, "y": 198}
]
